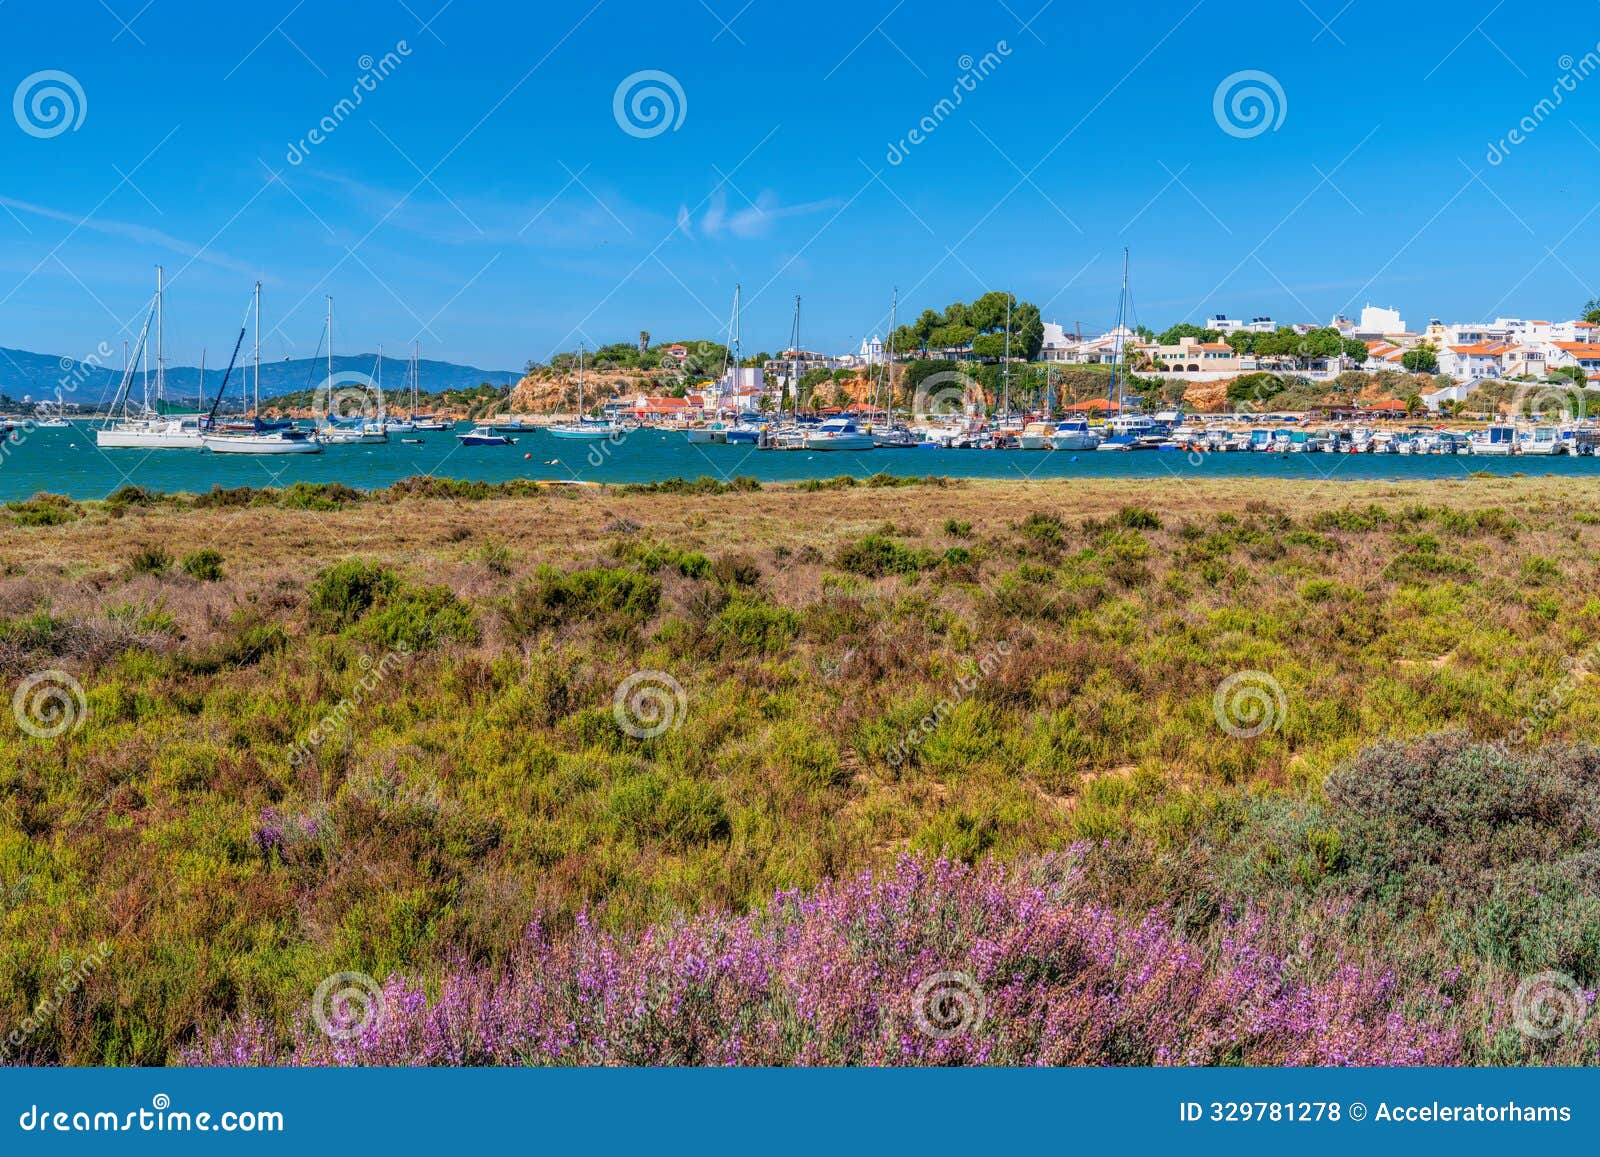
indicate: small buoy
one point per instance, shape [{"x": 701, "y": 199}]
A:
[
  {"x": 553, "y": 462},
  {"x": 1074, "y": 458},
  {"x": 527, "y": 456}
]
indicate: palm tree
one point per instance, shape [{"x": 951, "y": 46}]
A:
[{"x": 1413, "y": 405}]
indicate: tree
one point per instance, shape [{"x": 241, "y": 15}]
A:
[
  {"x": 1413, "y": 405},
  {"x": 1356, "y": 350},
  {"x": 1324, "y": 343},
  {"x": 1188, "y": 329},
  {"x": 1591, "y": 311},
  {"x": 1242, "y": 341},
  {"x": 907, "y": 338},
  {"x": 947, "y": 337},
  {"x": 988, "y": 313},
  {"x": 1422, "y": 360},
  {"x": 1577, "y": 373}
]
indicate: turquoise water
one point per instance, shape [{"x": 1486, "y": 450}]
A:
[{"x": 68, "y": 462}]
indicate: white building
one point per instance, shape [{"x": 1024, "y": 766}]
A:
[{"x": 1376, "y": 322}]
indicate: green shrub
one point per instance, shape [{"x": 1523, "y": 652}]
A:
[
  {"x": 1138, "y": 518},
  {"x": 876, "y": 555},
  {"x": 417, "y": 617},
  {"x": 347, "y": 590},
  {"x": 620, "y": 594},
  {"x": 205, "y": 565},
  {"x": 45, "y": 510},
  {"x": 757, "y": 627},
  {"x": 150, "y": 560}
]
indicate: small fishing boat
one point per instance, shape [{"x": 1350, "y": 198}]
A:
[
  {"x": 714, "y": 433},
  {"x": 1541, "y": 440},
  {"x": 484, "y": 436},
  {"x": 1496, "y": 441}
]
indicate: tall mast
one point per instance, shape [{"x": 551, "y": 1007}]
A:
[
  {"x": 735, "y": 351},
  {"x": 415, "y": 345},
  {"x": 258, "y": 350},
  {"x": 1005, "y": 360},
  {"x": 1122, "y": 316},
  {"x": 330, "y": 355},
  {"x": 581, "y": 347},
  {"x": 161, "y": 358},
  {"x": 794, "y": 360},
  {"x": 888, "y": 365}
]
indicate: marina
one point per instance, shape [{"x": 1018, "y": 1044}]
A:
[{"x": 65, "y": 460}]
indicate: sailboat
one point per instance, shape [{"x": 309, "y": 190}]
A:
[
  {"x": 414, "y": 421},
  {"x": 592, "y": 429},
  {"x": 1126, "y": 429},
  {"x": 147, "y": 428},
  {"x": 253, "y": 436},
  {"x": 336, "y": 430},
  {"x": 892, "y": 436}
]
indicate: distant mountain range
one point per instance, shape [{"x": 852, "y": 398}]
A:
[{"x": 25, "y": 375}]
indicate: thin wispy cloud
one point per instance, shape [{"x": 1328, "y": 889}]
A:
[
  {"x": 139, "y": 234},
  {"x": 755, "y": 220}
]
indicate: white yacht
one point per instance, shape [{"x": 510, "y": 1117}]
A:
[
  {"x": 840, "y": 433},
  {"x": 1074, "y": 434}
]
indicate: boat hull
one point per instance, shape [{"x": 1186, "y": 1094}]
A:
[
  {"x": 839, "y": 442},
  {"x": 260, "y": 444},
  {"x": 147, "y": 440}
]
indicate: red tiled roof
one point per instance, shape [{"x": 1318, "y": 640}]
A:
[{"x": 1580, "y": 349}]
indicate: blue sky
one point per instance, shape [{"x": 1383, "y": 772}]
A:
[{"x": 485, "y": 199}]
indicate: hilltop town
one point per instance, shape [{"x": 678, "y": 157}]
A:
[{"x": 1373, "y": 363}]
